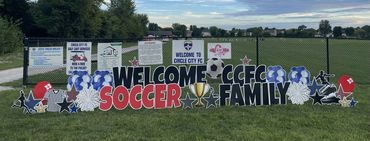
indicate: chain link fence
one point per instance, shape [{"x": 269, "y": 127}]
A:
[{"x": 339, "y": 56}]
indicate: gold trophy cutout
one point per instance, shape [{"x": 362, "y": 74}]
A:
[{"x": 199, "y": 90}]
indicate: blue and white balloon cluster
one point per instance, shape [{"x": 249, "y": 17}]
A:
[
  {"x": 276, "y": 74},
  {"x": 299, "y": 75},
  {"x": 101, "y": 79},
  {"x": 80, "y": 79}
]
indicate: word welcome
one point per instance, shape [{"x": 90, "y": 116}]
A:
[{"x": 131, "y": 76}]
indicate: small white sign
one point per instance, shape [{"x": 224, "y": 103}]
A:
[
  {"x": 109, "y": 56},
  {"x": 78, "y": 57},
  {"x": 150, "y": 53},
  {"x": 187, "y": 51},
  {"x": 219, "y": 50},
  {"x": 45, "y": 57}
]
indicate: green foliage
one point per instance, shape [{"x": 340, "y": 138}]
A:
[
  {"x": 65, "y": 18},
  {"x": 10, "y": 36},
  {"x": 17, "y": 11},
  {"x": 350, "y": 31},
  {"x": 324, "y": 27},
  {"x": 360, "y": 33},
  {"x": 256, "y": 31},
  {"x": 197, "y": 32},
  {"x": 154, "y": 27},
  {"x": 179, "y": 30},
  {"x": 337, "y": 31},
  {"x": 121, "y": 21}
]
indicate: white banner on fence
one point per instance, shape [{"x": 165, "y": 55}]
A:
[
  {"x": 150, "y": 53},
  {"x": 109, "y": 56},
  {"x": 78, "y": 57},
  {"x": 219, "y": 50},
  {"x": 187, "y": 52},
  {"x": 45, "y": 57}
]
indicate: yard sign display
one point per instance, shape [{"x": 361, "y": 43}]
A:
[
  {"x": 78, "y": 57},
  {"x": 150, "y": 53},
  {"x": 219, "y": 50},
  {"x": 109, "y": 56},
  {"x": 184, "y": 86},
  {"x": 46, "y": 57},
  {"x": 188, "y": 52}
]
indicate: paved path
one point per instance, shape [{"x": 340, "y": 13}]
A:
[{"x": 17, "y": 73}]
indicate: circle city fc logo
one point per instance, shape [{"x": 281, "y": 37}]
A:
[{"x": 188, "y": 45}]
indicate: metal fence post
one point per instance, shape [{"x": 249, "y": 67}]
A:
[
  {"x": 257, "y": 50},
  {"x": 327, "y": 56},
  {"x": 25, "y": 60}
]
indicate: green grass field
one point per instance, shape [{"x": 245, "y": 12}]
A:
[{"x": 280, "y": 122}]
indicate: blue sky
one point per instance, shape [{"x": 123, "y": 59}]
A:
[{"x": 251, "y": 13}]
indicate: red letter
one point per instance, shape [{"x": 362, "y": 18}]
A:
[
  {"x": 160, "y": 103},
  {"x": 173, "y": 95},
  {"x": 135, "y": 104},
  {"x": 106, "y": 98},
  {"x": 120, "y": 104},
  {"x": 148, "y": 103}
]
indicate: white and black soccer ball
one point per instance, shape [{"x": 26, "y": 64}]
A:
[{"x": 215, "y": 66}]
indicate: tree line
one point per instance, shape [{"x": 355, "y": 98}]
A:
[
  {"x": 68, "y": 19},
  {"x": 302, "y": 31}
]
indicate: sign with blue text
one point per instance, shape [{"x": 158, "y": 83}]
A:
[
  {"x": 46, "y": 57},
  {"x": 187, "y": 52}
]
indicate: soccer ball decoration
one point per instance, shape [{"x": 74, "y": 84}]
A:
[
  {"x": 215, "y": 66},
  {"x": 299, "y": 75},
  {"x": 101, "y": 79},
  {"x": 80, "y": 79},
  {"x": 276, "y": 74}
]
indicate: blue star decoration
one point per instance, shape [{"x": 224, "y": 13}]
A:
[
  {"x": 73, "y": 108},
  {"x": 211, "y": 100},
  {"x": 314, "y": 87},
  {"x": 31, "y": 103},
  {"x": 187, "y": 102},
  {"x": 64, "y": 106},
  {"x": 317, "y": 98},
  {"x": 353, "y": 103}
]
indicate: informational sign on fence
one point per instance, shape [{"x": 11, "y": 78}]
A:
[
  {"x": 187, "y": 52},
  {"x": 150, "y": 53},
  {"x": 45, "y": 57},
  {"x": 78, "y": 57},
  {"x": 219, "y": 50},
  {"x": 109, "y": 56}
]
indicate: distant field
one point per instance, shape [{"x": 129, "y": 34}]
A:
[{"x": 289, "y": 122}]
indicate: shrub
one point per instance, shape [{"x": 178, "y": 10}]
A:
[{"x": 10, "y": 37}]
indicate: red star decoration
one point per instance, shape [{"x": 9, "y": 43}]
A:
[
  {"x": 246, "y": 60},
  {"x": 341, "y": 93},
  {"x": 134, "y": 62},
  {"x": 72, "y": 95}
]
